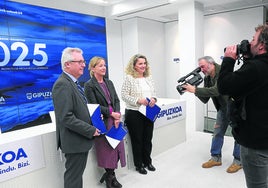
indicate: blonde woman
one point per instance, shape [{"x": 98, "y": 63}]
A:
[
  {"x": 100, "y": 90},
  {"x": 137, "y": 86}
]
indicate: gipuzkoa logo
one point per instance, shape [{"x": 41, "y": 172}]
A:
[
  {"x": 29, "y": 96},
  {"x": 10, "y": 156},
  {"x": 2, "y": 100},
  {"x": 170, "y": 111},
  {"x": 44, "y": 95}
]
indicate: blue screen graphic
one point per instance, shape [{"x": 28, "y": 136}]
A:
[{"x": 31, "y": 41}]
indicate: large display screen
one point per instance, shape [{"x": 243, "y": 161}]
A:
[{"x": 31, "y": 41}]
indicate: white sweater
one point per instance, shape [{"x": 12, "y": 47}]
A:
[{"x": 132, "y": 91}]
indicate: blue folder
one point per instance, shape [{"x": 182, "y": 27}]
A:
[
  {"x": 115, "y": 135},
  {"x": 95, "y": 114},
  {"x": 150, "y": 112}
]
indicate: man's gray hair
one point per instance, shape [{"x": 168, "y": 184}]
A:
[
  {"x": 208, "y": 59},
  {"x": 67, "y": 55}
]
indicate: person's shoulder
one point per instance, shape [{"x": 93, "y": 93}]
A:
[
  {"x": 263, "y": 58},
  {"x": 149, "y": 77},
  {"x": 217, "y": 66},
  {"x": 90, "y": 82},
  {"x": 61, "y": 82},
  {"x": 62, "y": 78},
  {"x": 129, "y": 77},
  {"x": 108, "y": 81},
  {"x": 261, "y": 65}
]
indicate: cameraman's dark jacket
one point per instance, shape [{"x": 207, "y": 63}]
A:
[
  {"x": 210, "y": 90},
  {"x": 250, "y": 80}
]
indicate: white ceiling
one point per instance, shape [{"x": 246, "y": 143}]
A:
[{"x": 167, "y": 10}]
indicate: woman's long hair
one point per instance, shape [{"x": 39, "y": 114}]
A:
[{"x": 130, "y": 70}]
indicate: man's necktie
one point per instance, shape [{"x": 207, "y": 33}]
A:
[{"x": 81, "y": 91}]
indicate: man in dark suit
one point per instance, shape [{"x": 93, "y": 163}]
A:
[{"x": 74, "y": 131}]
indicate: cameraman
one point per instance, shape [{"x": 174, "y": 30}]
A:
[
  {"x": 251, "y": 83},
  {"x": 211, "y": 70}
]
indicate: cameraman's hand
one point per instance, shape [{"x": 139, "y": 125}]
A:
[
  {"x": 188, "y": 87},
  {"x": 231, "y": 52}
]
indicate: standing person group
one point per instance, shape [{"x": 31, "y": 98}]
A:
[
  {"x": 211, "y": 70},
  {"x": 137, "y": 87},
  {"x": 100, "y": 90},
  {"x": 75, "y": 133},
  {"x": 248, "y": 86}
]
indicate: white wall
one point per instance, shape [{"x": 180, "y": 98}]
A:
[
  {"x": 152, "y": 45},
  {"x": 226, "y": 29},
  {"x": 115, "y": 55},
  {"x": 230, "y": 28},
  {"x": 171, "y": 52},
  {"x": 129, "y": 39},
  {"x": 191, "y": 30}
]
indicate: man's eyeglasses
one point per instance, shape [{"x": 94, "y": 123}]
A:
[{"x": 81, "y": 62}]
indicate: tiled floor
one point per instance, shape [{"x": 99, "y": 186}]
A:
[{"x": 180, "y": 167}]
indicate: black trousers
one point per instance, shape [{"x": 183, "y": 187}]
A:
[
  {"x": 140, "y": 130},
  {"x": 75, "y": 165}
]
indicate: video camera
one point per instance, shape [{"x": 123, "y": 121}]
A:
[{"x": 193, "y": 78}]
